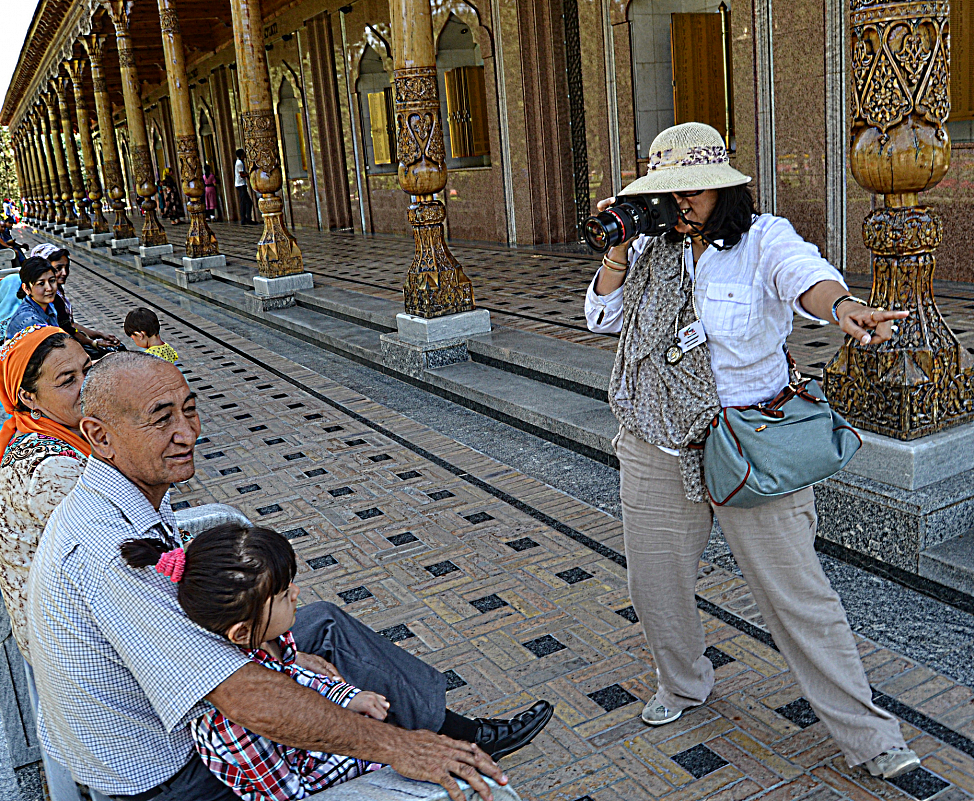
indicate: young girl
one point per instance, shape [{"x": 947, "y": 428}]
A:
[{"x": 238, "y": 582}]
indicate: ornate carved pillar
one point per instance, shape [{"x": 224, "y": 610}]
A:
[
  {"x": 435, "y": 283},
  {"x": 152, "y": 233},
  {"x": 57, "y": 208},
  {"x": 114, "y": 181},
  {"x": 200, "y": 240},
  {"x": 61, "y": 84},
  {"x": 41, "y": 207},
  {"x": 57, "y": 162},
  {"x": 76, "y": 69},
  {"x": 923, "y": 380},
  {"x": 28, "y": 161},
  {"x": 278, "y": 253}
]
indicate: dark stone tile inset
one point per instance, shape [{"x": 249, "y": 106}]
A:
[
  {"x": 332, "y": 429},
  {"x": 612, "y": 697},
  {"x": 382, "y": 457},
  {"x": 440, "y": 495},
  {"x": 397, "y": 633},
  {"x": 477, "y": 518},
  {"x": 229, "y": 471},
  {"x": 180, "y": 505},
  {"x": 314, "y": 416},
  {"x": 717, "y": 657},
  {"x": 368, "y": 514},
  {"x": 338, "y": 493},
  {"x": 402, "y": 539},
  {"x": 798, "y": 712},
  {"x": 453, "y": 680},
  {"x": 202, "y": 440},
  {"x": 919, "y": 783},
  {"x": 248, "y": 488},
  {"x": 294, "y": 533},
  {"x": 269, "y": 510},
  {"x": 488, "y": 603},
  {"x": 628, "y": 613},
  {"x": 408, "y": 475},
  {"x": 255, "y": 429},
  {"x": 279, "y": 396},
  {"x": 274, "y": 441},
  {"x": 291, "y": 457},
  {"x": 241, "y": 416},
  {"x": 229, "y": 406},
  {"x": 295, "y": 405},
  {"x": 442, "y": 568},
  {"x": 522, "y": 544},
  {"x": 573, "y": 576},
  {"x": 318, "y": 471},
  {"x": 353, "y": 442},
  {"x": 322, "y": 561},
  {"x": 544, "y": 645},
  {"x": 214, "y": 455},
  {"x": 699, "y": 761},
  {"x": 356, "y": 594}
]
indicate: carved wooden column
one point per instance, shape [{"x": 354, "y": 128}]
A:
[
  {"x": 923, "y": 380},
  {"x": 56, "y": 162},
  {"x": 200, "y": 240},
  {"x": 278, "y": 253},
  {"x": 152, "y": 233},
  {"x": 41, "y": 201},
  {"x": 57, "y": 204},
  {"x": 114, "y": 181},
  {"x": 435, "y": 283},
  {"x": 77, "y": 183},
  {"x": 76, "y": 70}
]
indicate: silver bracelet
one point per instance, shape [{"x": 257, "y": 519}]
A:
[{"x": 843, "y": 299}]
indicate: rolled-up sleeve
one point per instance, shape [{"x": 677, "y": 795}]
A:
[
  {"x": 794, "y": 265},
  {"x": 603, "y": 313}
]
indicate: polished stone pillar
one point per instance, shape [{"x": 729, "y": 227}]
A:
[
  {"x": 922, "y": 381},
  {"x": 76, "y": 70},
  {"x": 57, "y": 163},
  {"x": 152, "y": 234},
  {"x": 200, "y": 240},
  {"x": 278, "y": 253},
  {"x": 114, "y": 180},
  {"x": 435, "y": 282},
  {"x": 61, "y": 86}
]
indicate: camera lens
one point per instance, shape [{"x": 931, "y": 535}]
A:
[{"x": 598, "y": 233}]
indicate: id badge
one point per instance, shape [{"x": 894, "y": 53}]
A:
[{"x": 691, "y": 336}]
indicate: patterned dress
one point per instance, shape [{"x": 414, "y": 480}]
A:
[
  {"x": 163, "y": 351},
  {"x": 36, "y": 473}
]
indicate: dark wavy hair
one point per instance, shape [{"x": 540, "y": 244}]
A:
[
  {"x": 731, "y": 218},
  {"x": 231, "y": 572}
]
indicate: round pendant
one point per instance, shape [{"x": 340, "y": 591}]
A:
[{"x": 673, "y": 354}]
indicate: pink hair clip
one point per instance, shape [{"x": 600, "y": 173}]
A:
[{"x": 172, "y": 563}]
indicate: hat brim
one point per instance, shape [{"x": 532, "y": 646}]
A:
[{"x": 688, "y": 178}]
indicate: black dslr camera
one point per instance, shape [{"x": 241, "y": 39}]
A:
[{"x": 633, "y": 215}]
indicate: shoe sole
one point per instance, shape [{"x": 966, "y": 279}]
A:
[
  {"x": 529, "y": 734},
  {"x": 663, "y": 722},
  {"x": 912, "y": 765}
]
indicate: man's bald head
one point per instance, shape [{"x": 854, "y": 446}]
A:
[{"x": 111, "y": 388}]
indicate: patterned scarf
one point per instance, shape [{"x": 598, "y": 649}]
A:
[{"x": 663, "y": 404}]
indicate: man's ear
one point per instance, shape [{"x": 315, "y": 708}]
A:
[
  {"x": 99, "y": 437},
  {"x": 239, "y": 634}
]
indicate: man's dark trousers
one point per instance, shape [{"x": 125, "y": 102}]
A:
[{"x": 246, "y": 207}]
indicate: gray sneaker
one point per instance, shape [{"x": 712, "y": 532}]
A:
[
  {"x": 892, "y": 763},
  {"x": 655, "y": 714}
]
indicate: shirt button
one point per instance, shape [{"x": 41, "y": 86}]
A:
[{"x": 730, "y": 294}]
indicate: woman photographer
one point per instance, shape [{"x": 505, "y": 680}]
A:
[{"x": 703, "y": 313}]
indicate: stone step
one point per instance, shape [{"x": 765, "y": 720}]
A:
[{"x": 951, "y": 563}]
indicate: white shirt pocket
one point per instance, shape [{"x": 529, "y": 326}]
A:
[{"x": 727, "y": 309}]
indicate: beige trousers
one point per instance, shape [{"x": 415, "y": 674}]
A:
[{"x": 666, "y": 535}]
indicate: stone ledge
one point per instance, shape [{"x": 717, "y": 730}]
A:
[{"x": 918, "y": 463}]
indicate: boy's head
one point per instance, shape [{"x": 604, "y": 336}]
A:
[{"x": 142, "y": 325}]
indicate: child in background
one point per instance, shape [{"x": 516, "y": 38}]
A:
[
  {"x": 238, "y": 582},
  {"x": 142, "y": 326}
]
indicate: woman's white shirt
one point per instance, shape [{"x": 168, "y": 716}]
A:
[{"x": 746, "y": 297}]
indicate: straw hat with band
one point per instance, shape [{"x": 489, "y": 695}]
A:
[
  {"x": 14, "y": 357},
  {"x": 687, "y": 158}
]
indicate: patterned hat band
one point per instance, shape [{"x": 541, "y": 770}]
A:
[{"x": 689, "y": 157}]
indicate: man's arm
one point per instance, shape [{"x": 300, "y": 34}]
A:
[{"x": 278, "y": 708}]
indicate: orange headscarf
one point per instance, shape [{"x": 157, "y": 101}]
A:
[{"x": 14, "y": 356}]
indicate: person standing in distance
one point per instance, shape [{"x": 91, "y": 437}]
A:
[{"x": 243, "y": 191}]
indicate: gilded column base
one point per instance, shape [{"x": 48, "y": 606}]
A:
[
  {"x": 152, "y": 233},
  {"x": 277, "y": 251},
  {"x": 56, "y": 213},
  {"x": 200, "y": 240},
  {"x": 122, "y": 227},
  {"x": 98, "y": 222},
  {"x": 435, "y": 283},
  {"x": 70, "y": 215},
  {"x": 84, "y": 219},
  {"x": 921, "y": 381}
]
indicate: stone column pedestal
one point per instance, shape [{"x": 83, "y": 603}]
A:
[
  {"x": 84, "y": 235},
  {"x": 277, "y": 293},
  {"x": 100, "y": 240},
  {"x": 422, "y": 344},
  {"x": 68, "y": 230},
  {"x": 195, "y": 270},
  {"x": 123, "y": 245},
  {"x": 152, "y": 254}
]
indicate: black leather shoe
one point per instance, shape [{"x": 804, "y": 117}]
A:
[{"x": 498, "y": 738}]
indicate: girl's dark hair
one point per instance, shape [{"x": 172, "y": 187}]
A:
[
  {"x": 231, "y": 572},
  {"x": 61, "y": 254},
  {"x": 31, "y": 270},
  {"x": 731, "y": 218},
  {"x": 35, "y": 364}
]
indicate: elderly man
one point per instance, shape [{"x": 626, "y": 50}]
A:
[{"x": 121, "y": 670}]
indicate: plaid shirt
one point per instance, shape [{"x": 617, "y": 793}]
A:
[
  {"x": 256, "y": 768},
  {"x": 120, "y": 669}
]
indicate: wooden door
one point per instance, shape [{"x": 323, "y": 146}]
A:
[{"x": 697, "y": 50}]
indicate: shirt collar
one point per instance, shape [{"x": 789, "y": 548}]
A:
[
  {"x": 104, "y": 480},
  {"x": 49, "y": 312},
  {"x": 289, "y": 652}
]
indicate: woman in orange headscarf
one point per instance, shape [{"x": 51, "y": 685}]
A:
[{"x": 43, "y": 455}]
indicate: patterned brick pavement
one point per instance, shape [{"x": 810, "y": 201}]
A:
[{"x": 519, "y": 591}]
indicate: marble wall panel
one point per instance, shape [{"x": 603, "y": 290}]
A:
[{"x": 953, "y": 199}]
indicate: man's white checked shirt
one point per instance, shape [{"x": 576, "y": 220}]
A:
[{"x": 120, "y": 669}]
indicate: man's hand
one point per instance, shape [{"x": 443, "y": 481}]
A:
[
  {"x": 429, "y": 757},
  {"x": 368, "y": 703},
  {"x": 317, "y": 664}
]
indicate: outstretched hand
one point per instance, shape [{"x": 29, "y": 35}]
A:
[
  {"x": 857, "y": 321},
  {"x": 429, "y": 757}
]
